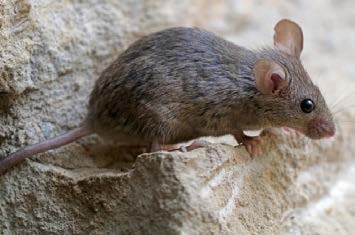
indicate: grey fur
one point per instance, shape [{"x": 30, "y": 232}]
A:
[{"x": 183, "y": 83}]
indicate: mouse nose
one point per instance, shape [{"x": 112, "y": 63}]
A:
[
  {"x": 328, "y": 130},
  {"x": 322, "y": 127}
]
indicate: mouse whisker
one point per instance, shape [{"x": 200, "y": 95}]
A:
[
  {"x": 340, "y": 99},
  {"x": 342, "y": 121},
  {"x": 341, "y": 113},
  {"x": 347, "y": 106},
  {"x": 341, "y": 110},
  {"x": 348, "y": 124}
]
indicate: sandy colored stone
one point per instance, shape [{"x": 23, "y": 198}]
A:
[{"x": 51, "y": 52}]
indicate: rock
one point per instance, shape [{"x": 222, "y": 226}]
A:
[{"x": 51, "y": 53}]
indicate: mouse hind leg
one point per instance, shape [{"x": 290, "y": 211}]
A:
[
  {"x": 197, "y": 144},
  {"x": 185, "y": 148},
  {"x": 155, "y": 145}
]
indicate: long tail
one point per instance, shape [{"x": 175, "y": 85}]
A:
[{"x": 41, "y": 147}]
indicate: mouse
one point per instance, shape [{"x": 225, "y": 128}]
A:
[{"x": 182, "y": 83}]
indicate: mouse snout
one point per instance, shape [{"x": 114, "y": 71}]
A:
[{"x": 321, "y": 128}]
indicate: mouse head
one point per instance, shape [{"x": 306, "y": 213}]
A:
[{"x": 291, "y": 98}]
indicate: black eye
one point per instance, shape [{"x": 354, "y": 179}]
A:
[{"x": 307, "y": 105}]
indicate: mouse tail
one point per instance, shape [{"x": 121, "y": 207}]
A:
[{"x": 41, "y": 147}]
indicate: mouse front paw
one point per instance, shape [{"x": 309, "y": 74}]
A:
[{"x": 251, "y": 143}]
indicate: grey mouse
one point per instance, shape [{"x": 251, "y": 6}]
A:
[{"x": 183, "y": 83}]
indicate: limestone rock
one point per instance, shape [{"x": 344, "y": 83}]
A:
[{"x": 51, "y": 52}]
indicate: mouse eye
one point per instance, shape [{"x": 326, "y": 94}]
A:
[{"x": 307, "y": 105}]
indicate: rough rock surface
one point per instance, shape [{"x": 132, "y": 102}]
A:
[{"x": 51, "y": 52}]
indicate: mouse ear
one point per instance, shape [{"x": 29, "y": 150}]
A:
[
  {"x": 270, "y": 77},
  {"x": 288, "y": 37}
]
